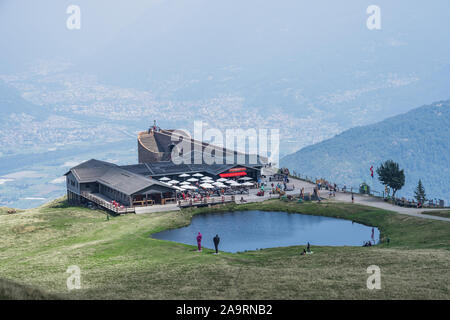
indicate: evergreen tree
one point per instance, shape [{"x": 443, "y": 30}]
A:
[
  {"x": 419, "y": 193},
  {"x": 390, "y": 175}
]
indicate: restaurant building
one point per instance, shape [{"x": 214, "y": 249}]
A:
[{"x": 121, "y": 188}]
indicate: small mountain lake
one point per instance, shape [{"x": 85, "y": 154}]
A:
[{"x": 252, "y": 230}]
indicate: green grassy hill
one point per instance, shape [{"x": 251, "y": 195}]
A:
[
  {"x": 418, "y": 140},
  {"x": 119, "y": 260}
]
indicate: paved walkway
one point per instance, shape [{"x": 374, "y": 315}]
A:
[
  {"x": 308, "y": 187},
  {"x": 377, "y": 203},
  {"x": 359, "y": 199}
]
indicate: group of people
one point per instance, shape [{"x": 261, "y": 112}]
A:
[
  {"x": 369, "y": 243},
  {"x": 216, "y": 241},
  {"x": 187, "y": 195},
  {"x": 307, "y": 250},
  {"x": 278, "y": 187},
  {"x": 316, "y": 194}
]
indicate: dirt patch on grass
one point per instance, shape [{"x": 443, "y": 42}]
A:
[
  {"x": 81, "y": 245},
  {"x": 26, "y": 229}
]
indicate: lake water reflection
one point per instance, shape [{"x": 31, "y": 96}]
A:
[{"x": 251, "y": 230}]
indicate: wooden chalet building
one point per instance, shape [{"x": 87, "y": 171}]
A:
[{"x": 121, "y": 188}]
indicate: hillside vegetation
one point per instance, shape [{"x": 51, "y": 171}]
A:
[
  {"x": 10, "y": 290},
  {"x": 418, "y": 140}
]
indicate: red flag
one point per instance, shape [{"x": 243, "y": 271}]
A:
[{"x": 371, "y": 171}]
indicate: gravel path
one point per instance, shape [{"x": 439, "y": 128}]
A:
[{"x": 346, "y": 197}]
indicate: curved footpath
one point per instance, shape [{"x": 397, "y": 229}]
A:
[
  {"x": 359, "y": 199},
  {"x": 374, "y": 202}
]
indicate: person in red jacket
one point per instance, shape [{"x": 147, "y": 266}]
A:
[{"x": 199, "y": 241}]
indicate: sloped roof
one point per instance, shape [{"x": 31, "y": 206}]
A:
[
  {"x": 162, "y": 140},
  {"x": 113, "y": 176},
  {"x": 238, "y": 158},
  {"x": 90, "y": 170},
  {"x": 127, "y": 182},
  {"x": 169, "y": 168}
]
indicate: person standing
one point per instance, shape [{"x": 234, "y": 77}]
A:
[
  {"x": 216, "y": 241},
  {"x": 199, "y": 241},
  {"x": 316, "y": 194}
]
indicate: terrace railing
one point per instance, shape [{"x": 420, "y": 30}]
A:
[
  {"x": 105, "y": 204},
  {"x": 143, "y": 203},
  {"x": 205, "y": 201}
]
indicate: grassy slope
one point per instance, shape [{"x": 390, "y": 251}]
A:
[
  {"x": 4, "y": 210},
  {"x": 10, "y": 290},
  {"x": 119, "y": 260}
]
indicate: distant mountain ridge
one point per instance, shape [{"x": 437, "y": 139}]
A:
[
  {"x": 12, "y": 102},
  {"x": 418, "y": 140}
]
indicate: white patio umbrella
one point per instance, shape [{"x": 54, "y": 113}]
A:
[
  {"x": 245, "y": 178},
  {"x": 230, "y": 181},
  {"x": 206, "y": 178},
  {"x": 178, "y": 188},
  {"x": 190, "y": 187},
  {"x": 164, "y": 179},
  {"x": 207, "y": 186},
  {"x": 184, "y": 183},
  {"x": 184, "y": 175},
  {"x": 222, "y": 180},
  {"x": 247, "y": 184},
  {"x": 192, "y": 180},
  {"x": 174, "y": 182},
  {"x": 197, "y": 175}
]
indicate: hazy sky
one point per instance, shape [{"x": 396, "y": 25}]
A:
[
  {"x": 314, "y": 47},
  {"x": 31, "y": 30},
  {"x": 37, "y": 29}
]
